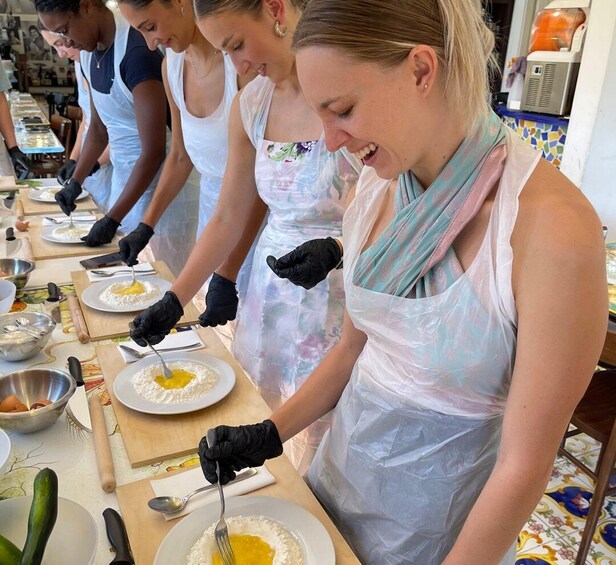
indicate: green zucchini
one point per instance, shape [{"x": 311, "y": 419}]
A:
[
  {"x": 9, "y": 552},
  {"x": 43, "y": 514}
]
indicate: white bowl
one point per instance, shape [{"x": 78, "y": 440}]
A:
[
  {"x": 5, "y": 452},
  {"x": 7, "y": 296}
]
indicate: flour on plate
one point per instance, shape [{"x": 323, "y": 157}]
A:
[
  {"x": 288, "y": 550},
  {"x": 48, "y": 194},
  {"x": 148, "y": 388},
  {"x": 110, "y": 294},
  {"x": 66, "y": 233}
]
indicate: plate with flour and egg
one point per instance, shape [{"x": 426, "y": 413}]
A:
[
  {"x": 121, "y": 295},
  {"x": 197, "y": 380}
]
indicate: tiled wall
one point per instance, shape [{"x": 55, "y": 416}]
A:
[{"x": 548, "y": 138}]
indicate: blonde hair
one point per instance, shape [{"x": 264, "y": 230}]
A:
[
  {"x": 385, "y": 31},
  {"x": 205, "y": 8}
]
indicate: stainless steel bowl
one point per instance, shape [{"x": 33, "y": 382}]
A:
[
  {"x": 17, "y": 271},
  {"x": 23, "y": 346},
  {"x": 32, "y": 385}
]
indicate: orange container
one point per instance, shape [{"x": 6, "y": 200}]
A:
[{"x": 553, "y": 28}]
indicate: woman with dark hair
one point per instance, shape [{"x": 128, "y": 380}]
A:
[
  {"x": 277, "y": 155},
  {"x": 457, "y": 373},
  {"x": 36, "y": 44},
  {"x": 200, "y": 85},
  {"x": 129, "y": 111}
]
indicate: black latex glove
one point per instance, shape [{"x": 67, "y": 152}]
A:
[
  {"x": 308, "y": 264},
  {"x": 239, "y": 447},
  {"x": 134, "y": 243},
  {"x": 95, "y": 168},
  {"x": 67, "y": 196},
  {"x": 66, "y": 171},
  {"x": 220, "y": 302},
  {"x": 155, "y": 322},
  {"x": 21, "y": 163},
  {"x": 102, "y": 232}
]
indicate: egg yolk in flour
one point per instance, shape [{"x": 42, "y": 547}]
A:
[
  {"x": 131, "y": 289},
  {"x": 248, "y": 550},
  {"x": 179, "y": 379}
]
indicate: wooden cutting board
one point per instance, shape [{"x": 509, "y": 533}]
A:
[
  {"x": 44, "y": 249},
  {"x": 146, "y": 529},
  {"x": 35, "y": 208},
  {"x": 149, "y": 438},
  {"x": 105, "y": 325}
]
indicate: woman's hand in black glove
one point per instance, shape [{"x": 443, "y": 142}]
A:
[
  {"x": 21, "y": 163},
  {"x": 220, "y": 302},
  {"x": 155, "y": 322},
  {"x": 238, "y": 447},
  {"x": 308, "y": 264},
  {"x": 134, "y": 243},
  {"x": 67, "y": 196},
  {"x": 102, "y": 231}
]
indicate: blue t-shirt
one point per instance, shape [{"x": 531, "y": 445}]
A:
[{"x": 139, "y": 64}]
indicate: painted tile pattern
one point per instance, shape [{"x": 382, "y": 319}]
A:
[
  {"x": 552, "y": 535},
  {"x": 547, "y": 138}
]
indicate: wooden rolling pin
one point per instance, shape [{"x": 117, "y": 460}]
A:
[
  {"x": 104, "y": 461},
  {"x": 77, "y": 316}
]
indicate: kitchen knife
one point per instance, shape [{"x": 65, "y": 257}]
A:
[
  {"x": 116, "y": 532},
  {"x": 52, "y": 303},
  {"x": 10, "y": 199},
  {"x": 12, "y": 243},
  {"x": 78, "y": 403}
]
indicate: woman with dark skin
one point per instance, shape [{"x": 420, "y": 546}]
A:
[{"x": 129, "y": 109}]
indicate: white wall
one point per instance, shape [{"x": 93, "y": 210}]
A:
[{"x": 589, "y": 157}]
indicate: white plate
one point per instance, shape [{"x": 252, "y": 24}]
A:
[
  {"x": 37, "y": 194},
  {"x": 48, "y": 233},
  {"x": 73, "y": 539},
  {"x": 5, "y": 451},
  {"x": 125, "y": 391},
  {"x": 91, "y": 295},
  {"x": 317, "y": 545}
]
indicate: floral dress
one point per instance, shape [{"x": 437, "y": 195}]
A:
[{"x": 284, "y": 331}]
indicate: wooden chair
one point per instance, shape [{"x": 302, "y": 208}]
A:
[
  {"x": 49, "y": 164},
  {"x": 75, "y": 114},
  {"x": 595, "y": 416}
]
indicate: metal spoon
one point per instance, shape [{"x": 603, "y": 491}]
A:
[
  {"x": 166, "y": 370},
  {"x": 121, "y": 272},
  {"x": 25, "y": 324},
  {"x": 10, "y": 329},
  {"x": 171, "y": 504}
]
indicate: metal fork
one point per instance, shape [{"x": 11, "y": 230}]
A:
[
  {"x": 140, "y": 355},
  {"x": 221, "y": 532},
  {"x": 122, "y": 272},
  {"x": 75, "y": 220},
  {"x": 166, "y": 370}
]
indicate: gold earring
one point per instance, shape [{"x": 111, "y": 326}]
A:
[{"x": 279, "y": 31}]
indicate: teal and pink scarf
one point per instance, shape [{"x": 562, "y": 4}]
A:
[{"x": 414, "y": 254}]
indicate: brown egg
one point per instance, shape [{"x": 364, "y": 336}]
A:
[
  {"x": 8, "y": 404},
  {"x": 20, "y": 407},
  {"x": 21, "y": 225},
  {"x": 40, "y": 404}
]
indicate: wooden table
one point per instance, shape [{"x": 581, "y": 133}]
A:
[
  {"x": 146, "y": 529},
  {"x": 35, "y": 208}
]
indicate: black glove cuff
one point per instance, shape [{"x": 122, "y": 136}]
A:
[
  {"x": 175, "y": 300},
  {"x": 112, "y": 222},
  {"x": 219, "y": 282},
  {"x": 145, "y": 230},
  {"x": 14, "y": 149},
  {"x": 336, "y": 252},
  {"x": 273, "y": 442},
  {"x": 95, "y": 168}
]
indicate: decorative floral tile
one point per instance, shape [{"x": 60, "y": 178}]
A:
[
  {"x": 534, "y": 534},
  {"x": 558, "y": 552},
  {"x": 603, "y": 547}
]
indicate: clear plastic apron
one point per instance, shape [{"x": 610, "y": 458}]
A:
[
  {"x": 206, "y": 142},
  {"x": 176, "y": 230},
  {"x": 98, "y": 184},
  {"x": 415, "y": 434}
]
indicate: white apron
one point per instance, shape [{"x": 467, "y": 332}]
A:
[
  {"x": 284, "y": 330},
  {"x": 175, "y": 231},
  {"x": 206, "y": 142},
  {"x": 415, "y": 434},
  {"x": 98, "y": 184}
]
